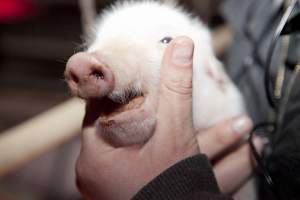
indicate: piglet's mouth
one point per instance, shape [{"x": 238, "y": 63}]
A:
[
  {"x": 116, "y": 109},
  {"x": 107, "y": 111}
]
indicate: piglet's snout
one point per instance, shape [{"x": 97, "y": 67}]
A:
[{"x": 87, "y": 77}]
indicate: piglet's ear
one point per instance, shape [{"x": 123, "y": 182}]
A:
[{"x": 215, "y": 70}]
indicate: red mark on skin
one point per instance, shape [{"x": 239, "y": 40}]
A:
[
  {"x": 210, "y": 73},
  {"x": 220, "y": 81},
  {"x": 106, "y": 124}
]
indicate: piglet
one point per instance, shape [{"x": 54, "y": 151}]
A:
[{"x": 118, "y": 74}]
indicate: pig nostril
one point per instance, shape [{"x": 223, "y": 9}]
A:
[
  {"x": 74, "y": 77},
  {"x": 98, "y": 74}
]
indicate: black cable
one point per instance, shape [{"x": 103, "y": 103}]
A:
[
  {"x": 256, "y": 155},
  {"x": 278, "y": 33}
]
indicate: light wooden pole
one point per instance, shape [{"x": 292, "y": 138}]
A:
[
  {"x": 39, "y": 135},
  {"x": 88, "y": 15}
]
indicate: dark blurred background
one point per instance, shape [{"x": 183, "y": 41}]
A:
[{"x": 36, "y": 39}]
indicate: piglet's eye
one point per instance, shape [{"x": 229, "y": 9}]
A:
[{"x": 166, "y": 40}]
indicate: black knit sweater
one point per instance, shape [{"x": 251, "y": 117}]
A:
[{"x": 190, "y": 179}]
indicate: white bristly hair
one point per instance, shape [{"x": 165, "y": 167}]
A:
[{"x": 127, "y": 37}]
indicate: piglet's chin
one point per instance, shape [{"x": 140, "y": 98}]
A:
[
  {"x": 130, "y": 127},
  {"x": 127, "y": 133}
]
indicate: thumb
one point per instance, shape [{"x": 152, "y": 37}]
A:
[{"x": 175, "y": 97}]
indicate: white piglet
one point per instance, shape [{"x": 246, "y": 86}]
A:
[{"x": 118, "y": 74}]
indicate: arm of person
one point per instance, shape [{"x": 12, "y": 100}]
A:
[{"x": 191, "y": 178}]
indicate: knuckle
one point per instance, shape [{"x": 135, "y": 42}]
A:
[
  {"x": 82, "y": 174},
  {"x": 80, "y": 177},
  {"x": 78, "y": 168},
  {"x": 180, "y": 86}
]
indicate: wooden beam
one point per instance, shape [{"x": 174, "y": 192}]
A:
[
  {"x": 40, "y": 135},
  {"x": 88, "y": 15}
]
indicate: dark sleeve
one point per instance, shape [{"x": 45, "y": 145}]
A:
[{"x": 190, "y": 179}]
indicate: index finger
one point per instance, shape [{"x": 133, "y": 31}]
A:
[{"x": 217, "y": 139}]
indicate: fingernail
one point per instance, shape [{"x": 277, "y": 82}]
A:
[
  {"x": 183, "y": 52},
  {"x": 242, "y": 125},
  {"x": 259, "y": 143}
]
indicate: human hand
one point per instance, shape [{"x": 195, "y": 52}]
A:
[
  {"x": 232, "y": 167},
  {"x": 108, "y": 172}
]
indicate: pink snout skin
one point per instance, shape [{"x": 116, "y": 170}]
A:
[{"x": 87, "y": 77}]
